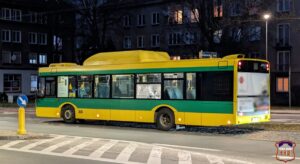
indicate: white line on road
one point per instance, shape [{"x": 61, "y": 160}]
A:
[
  {"x": 29, "y": 146},
  {"x": 73, "y": 156},
  {"x": 184, "y": 157},
  {"x": 102, "y": 149},
  {"x": 11, "y": 144},
  {"x": 214, "y": 159},
  {"x": 155, "y": 155},
  {"x": 126, "y": 153},
  {"x": 77, "y": 147},
  {"x": 53, "y": 147},
  {"x": 186, "y": 147}
]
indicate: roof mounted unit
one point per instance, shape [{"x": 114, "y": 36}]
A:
[
  {"x": 126, "y": 57},
  {"x": 234, "y": 56}
]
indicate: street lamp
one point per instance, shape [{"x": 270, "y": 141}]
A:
[{"x": 266, "y": 18}]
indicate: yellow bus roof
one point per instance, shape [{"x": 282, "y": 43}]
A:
[
  {"x": 126, "y": 57},
  {"x": 138, "y": 59}
]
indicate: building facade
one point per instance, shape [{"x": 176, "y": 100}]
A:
[
  {"x": 30, "y": 37},
  {"x": 185, "y": 28}
]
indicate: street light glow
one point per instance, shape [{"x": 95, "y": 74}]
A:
[{"x": 267, "y": 16}]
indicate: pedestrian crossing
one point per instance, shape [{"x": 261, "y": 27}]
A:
[{"x": 116, "y": 151}]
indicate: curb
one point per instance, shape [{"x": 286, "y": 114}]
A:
[{"x": 23, "y": 137}]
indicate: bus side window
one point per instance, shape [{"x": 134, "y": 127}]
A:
[
  {"x": 123, "y": 86},
  {"x": 85, "y": 86},
  {"x": 41, "y": 87},
  {"x": 148, "y": 86},
  {"x": 191, "y": 86},
  {"x": 218, "y": 86},
  {"x": 102, "y": 86},
  {"x": 50, "y": 87},
  {"x": 173, "y": 85},
  {"x": 72, "y": 89}
]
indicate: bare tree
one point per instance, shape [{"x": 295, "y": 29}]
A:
[
  {"x": 225, "y": 25},
  {"x": 91, "y": 22}
]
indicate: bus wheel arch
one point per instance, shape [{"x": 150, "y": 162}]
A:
[
  {"x": 68, "y": 113},
  {"x": 164, "y": 118}
]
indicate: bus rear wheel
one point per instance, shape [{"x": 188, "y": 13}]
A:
[
  {"x": 68, "y": 114},
  {"x": 165, "y": 119}
]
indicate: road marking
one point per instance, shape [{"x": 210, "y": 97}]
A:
[
  {"x": 78, "y": 147},
  {"x": 214, "y": 159},
  {"x": 187, "y": 147},
  {"x": 126, "y": 153},
  {"x": 32, "y": 145},
  {"x": 53, "y": 147},
  {"x": 155, "y": 155},
  {"x": 102, "y": 149},
  {"x": 11, "y": 144},
  {"x": 184, "y": 157},
  {"x": 73, "y": 156}
]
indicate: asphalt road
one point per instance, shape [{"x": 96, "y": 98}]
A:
[{"x": 131, "y": 145}]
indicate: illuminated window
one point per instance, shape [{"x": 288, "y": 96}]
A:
[
  {"x": 282, "y": 84},
  {"x": 33, "y": 83},
  {"x": 32, "y": 58},
  {"x": 175, "y": 16},
  {"x": 43, "y": 58},
  {"x": 194, "y": 15},
  {"x": 218, "y": 8}
]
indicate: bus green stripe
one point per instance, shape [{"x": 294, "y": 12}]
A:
[
  {"x": 151, "y": 70},
  {"x": 146, "y": 105}
]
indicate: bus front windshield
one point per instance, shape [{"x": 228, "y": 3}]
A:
[{"x": 253, "y": 88}]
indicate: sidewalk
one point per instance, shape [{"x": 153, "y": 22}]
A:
[
  {"x": 12, "y": 135},
  {"x": 285, "y": 110}
]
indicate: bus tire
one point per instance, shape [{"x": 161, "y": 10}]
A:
[
  {"x": 165, "y": 119},
  {"x": 68, "y": 114}
]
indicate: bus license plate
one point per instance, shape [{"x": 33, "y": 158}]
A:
[{"x": 255, "y": 119}]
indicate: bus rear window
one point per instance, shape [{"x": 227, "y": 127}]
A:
[{"x": 253, "y": 66}]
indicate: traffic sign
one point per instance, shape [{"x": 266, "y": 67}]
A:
[{"x": 22, "y": 100}]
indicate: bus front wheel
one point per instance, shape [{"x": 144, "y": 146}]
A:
[
  {"x": 68, "y": 114},
  {"x": 165, "y": 119}
]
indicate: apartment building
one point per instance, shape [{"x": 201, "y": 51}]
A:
[
  {"x": 31, "y": 37},
  {"x": 185, "y": 28}
]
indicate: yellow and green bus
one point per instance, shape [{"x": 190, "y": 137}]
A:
[{"x": 146, "y": 86}]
